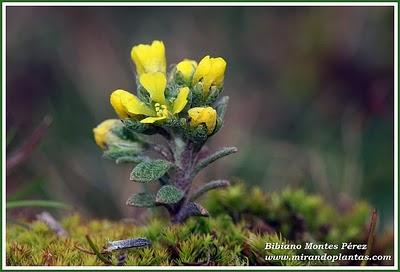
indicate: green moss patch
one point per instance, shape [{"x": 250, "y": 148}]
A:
[{"x": 242, "y": 221}]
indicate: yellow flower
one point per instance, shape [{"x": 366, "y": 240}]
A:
[
  {"x": 200, "y": 115},
  {"x": 186, "y": 68},
  {"x": 126, "y": 104},
  {"x": 102, "y": 132},
  {"x": 149, "y": 58},
  {"x": 210, "y": 72}
]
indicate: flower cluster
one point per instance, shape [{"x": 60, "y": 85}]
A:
[
  {"x": 185, "y": 95},
  {"x": 184, "y": 107}
]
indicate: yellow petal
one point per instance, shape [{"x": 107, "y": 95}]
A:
[
  {"x": 115, "y": 100},
  {"x": 218, "y": 70},
  {"x": 150, "y": 120},
  {"x": 202, "y": 69},
  {"x": 149, "y": 58},
  {"x": 126, "y": 104},
  {"x": 155, "y": 84},
  {"x": 102, "y": 131},
  {"x": 181, "y": 100},
  {"x": 186, "y": 68},
  {"x": 200, "y": 115},
  {"x": 210, "y": 72}
]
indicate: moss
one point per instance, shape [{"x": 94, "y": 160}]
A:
[{"x": 242, "y": 221}]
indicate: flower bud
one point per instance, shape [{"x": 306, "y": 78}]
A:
[
  {"x": 210, "y": 72},
  {"x": 186, "y": 68},
  {"x": 103, "y": 133},
  {"x": 149, "y": 58},
  {"x": 201, "y": 115}
]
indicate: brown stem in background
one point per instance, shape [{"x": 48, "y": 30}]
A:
[
  {"x": 23, "y": 152},
  {"x": 371, "y": 235}
]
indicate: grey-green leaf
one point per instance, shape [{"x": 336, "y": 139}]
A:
[
  {"x": 123, "y": 149},
  {"x": 150, "y": 170},
  {"x": 222, "y": 106},
  {"x": 225, "y": 151},
  {"x": 213, "y": 95},
  {"x": 169, "y": 194},
  {"x": 137, "y": 127},
  {"x": 131, "y": 159},
  {"x": 142, "y": 200},
  {"x": 209, "y": 186}
]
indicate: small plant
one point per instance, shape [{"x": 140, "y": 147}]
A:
[{"x": 184, "y": 108}]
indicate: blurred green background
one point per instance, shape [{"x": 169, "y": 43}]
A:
[{"x": 311, "y": 97}]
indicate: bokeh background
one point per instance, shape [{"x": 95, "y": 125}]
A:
[{"x": 311, "y": 93}]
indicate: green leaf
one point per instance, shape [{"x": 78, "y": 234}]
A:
[
  {"x": 150, "y": 170},
  {"x": 142, "y": 94},
  {"x": 136, "y": 126},
  {"x": 218, "y": 126},
  {"x": 128, "y": 135},
  {"x": 197, "y": 95},
  {"x": 36, "y": 203},
  {"x": 169, "y": 194},
  {"x": 199, "y": 134},
  {"x": 209, "y": 186},
  {"x": 131, "y": 159},
  {"x": 141, "y": 200},
  {"x": 213, "y": 95},
  {"x": 221, "y": 106},
  {"x": 225, "y": 151},
  {"x": 123, "y": 149}
]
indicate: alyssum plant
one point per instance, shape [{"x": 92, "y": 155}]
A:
[{"x": 181, "y": 106}]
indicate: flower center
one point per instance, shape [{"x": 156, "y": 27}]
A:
[{"x": 161, "y": 110}]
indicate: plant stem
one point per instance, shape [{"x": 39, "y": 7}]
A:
[{"x": 371, "y": 235}]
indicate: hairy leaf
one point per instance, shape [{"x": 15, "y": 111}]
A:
[
  {"x": 225, "y": 151},
  {"x": 209, "y": 186},
  {"x": 116, "y": 151},
  {"x": 128, "y": 135},
  {"x": 143, "y": 94},
  {"x": 221, "y": 106},
  {"x": 199, "y": 134},
  {"x": 141, "y": 200},
  {"x": 213, "y": 95},
  {"x": 150, "y": 170},
  {"x": 136, "y": 126},
  {"x": 197, "y": 95},
  {"x": 218, "y": 126},
  {"x": 169, "y": 194},
  {"x": 131, "y": 159}
]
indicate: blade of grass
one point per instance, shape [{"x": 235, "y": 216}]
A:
[
  {"x": 36, "y": 203},
  {"x": 96, "y": 251}
]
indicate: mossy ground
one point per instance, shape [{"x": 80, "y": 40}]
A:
[{"x": 242, "y": 221}]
